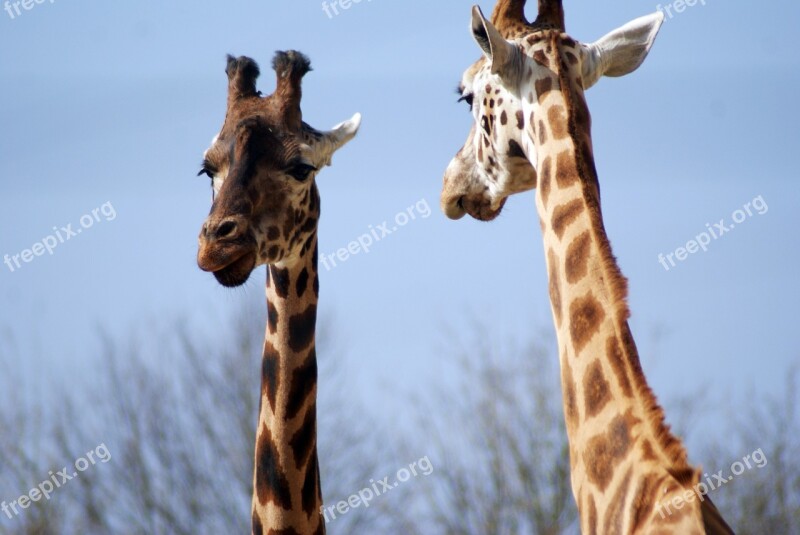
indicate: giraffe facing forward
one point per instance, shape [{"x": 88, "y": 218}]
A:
[
  {"x": 533, "y": 130},
  {"x": 263, "y": 165}
]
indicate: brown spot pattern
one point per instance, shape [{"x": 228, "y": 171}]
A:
[
  {"x": 566, "y": 171},
  {"x": 535, "y": 38},
  {"x": 543, "y": 87},
  {"x": 585, "y": 317},
  {"x": 311, "y": 493},
  {"x": 302, "y": 283},
  {"x": 544, "y": 180},
  {"x": 565, "y": 214},
  {"x": 308, "y": 243},
  {"x": 557, "y": 118},
  {"x": 315, "y": 263},
  {"x": 304, "y": 380},
  {"x": 271, "y": 483},
  {"x": 514, "y": 150},
  {"x": 648, "y": 453},
  {"x": 571, "y": 58},
  {"x": 270, "y": 364},
  {"x": 272, "y": 317},
  {"x": 304, "y": 439},
  {"x": 606, "y": 451},
  {"x": 281, "y": 281},
  {"x": 577, "y": 261},
  {"x": 540, "y": 58},
  {"x": 596, "y": 391},
  {"x": 301, "y": 328}
]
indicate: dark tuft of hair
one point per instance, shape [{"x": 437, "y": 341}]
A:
[
  {"x": 243, "y": 71},
  {"x": 291, "y": 62},
  {"x": 244, "y": 66}
]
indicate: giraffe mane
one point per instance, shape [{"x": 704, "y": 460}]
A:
[{"x": 670, "y": 445}]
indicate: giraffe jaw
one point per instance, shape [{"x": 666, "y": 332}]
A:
[
  {"x": 231, "y": 264},
  {"x": 237, "y": 272},
  {"x": 483, "y": 209},
  {"x": 480, "y": 207}
]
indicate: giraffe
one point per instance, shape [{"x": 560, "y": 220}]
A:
[
  {"x": 265, "y": 210},
  {"x": 532, "y": 130}
]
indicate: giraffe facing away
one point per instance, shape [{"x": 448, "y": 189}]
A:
[
  {"x": 263, "y": 165},
  {"x": 533, "y": 130}
]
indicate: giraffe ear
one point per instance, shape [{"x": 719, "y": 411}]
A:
[
  {"x": 501, "y": 54},
  {"x": 622, "y": 51},
  {"x": 321, "y": 146}
]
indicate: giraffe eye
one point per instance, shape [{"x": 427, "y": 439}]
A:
[
  {"x": 301, "y": 171},
  {"x": 207, "y": 169},
  {"x": 468, "y": 98}
]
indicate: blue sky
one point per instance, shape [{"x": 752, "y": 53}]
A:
[{"x": 116, "y": 102}]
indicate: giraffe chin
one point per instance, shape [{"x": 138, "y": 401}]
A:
[
  {"x": 482, "y": 209},
  {"x": 237, "y": 272}
]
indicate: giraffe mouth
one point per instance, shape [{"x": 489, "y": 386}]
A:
[
  {"x": 481, "y": 208},
  {"x": 230, "y": 263},
  {"x": 237, "y": 272}
]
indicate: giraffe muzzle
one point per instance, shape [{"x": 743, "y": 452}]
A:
[{"x": 228, "y": 250}]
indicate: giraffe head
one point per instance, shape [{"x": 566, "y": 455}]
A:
[
  {"x": 507, "y": 91},
  {"x": 263, "y": 165}
]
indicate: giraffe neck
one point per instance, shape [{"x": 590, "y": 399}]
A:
[
  {"x": 624, "y": 460},
  {"x": 287, "y": 497}
]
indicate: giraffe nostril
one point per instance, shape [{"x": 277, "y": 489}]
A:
[
  {"x": 226, "y": 229},
  {"x": 454, "y": 208}
]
